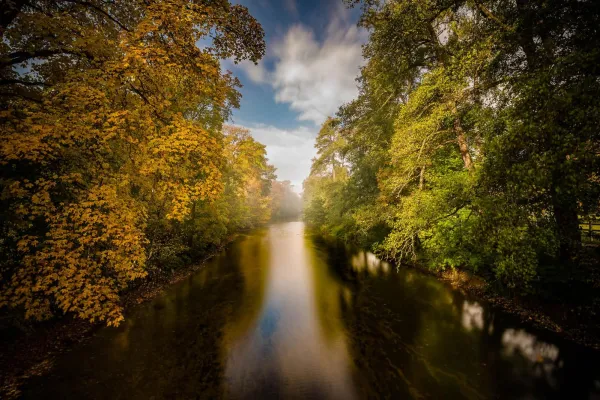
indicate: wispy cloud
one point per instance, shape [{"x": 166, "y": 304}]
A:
[
  {"x": 313, "y": 72},
  {"x": 314, "y": 77}
]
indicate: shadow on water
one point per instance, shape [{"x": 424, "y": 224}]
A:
[{"x": 284, "y": 314}]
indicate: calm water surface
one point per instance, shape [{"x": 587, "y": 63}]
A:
[{"x": 283, "y": 314}]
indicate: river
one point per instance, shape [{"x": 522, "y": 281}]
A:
[{"x": 283, "y": 314}]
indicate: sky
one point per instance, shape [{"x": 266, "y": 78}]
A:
[{"x": 312, "y": 60}]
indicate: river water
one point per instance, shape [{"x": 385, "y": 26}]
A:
[{"x": 282, "y": 314}]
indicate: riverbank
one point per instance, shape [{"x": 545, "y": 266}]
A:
[
  {"x": 575, "y": 322},
  {"x": 33, "y": 353}
]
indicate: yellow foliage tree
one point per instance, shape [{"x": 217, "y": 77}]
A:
[
  {"x": 249, "y": 176},
  {"x": 110, "y": 115}
]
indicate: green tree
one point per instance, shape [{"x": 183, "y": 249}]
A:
[{"x": 474, "y": 141}]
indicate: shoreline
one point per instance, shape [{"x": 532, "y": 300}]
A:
[
  {"x": 33, "y": 354},
  {"x": 539, "y": 314},
  {"x": 573, "y": 322}
]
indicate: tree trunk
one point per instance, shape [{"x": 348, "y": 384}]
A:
[
  {"x": 567, "y": 225},
  {"x": 461, "y": 138}
]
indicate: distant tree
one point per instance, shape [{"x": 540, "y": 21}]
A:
[{"x": 286, "y": 203}]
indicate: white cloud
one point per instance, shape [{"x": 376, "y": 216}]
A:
[
  {"x": 255, "y": 72},
  {"x": 313, "y": 77},
  {"x": 289, "y": 150}
]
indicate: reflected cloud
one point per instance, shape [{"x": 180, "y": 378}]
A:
[
  {"x": 368, "y": 262},
  {"x": 527, "y": 345},
  {"x": 289, "y": 351},
  {"x": 472, "y": 315}
]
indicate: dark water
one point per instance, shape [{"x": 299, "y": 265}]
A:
[{"x": 282, "y": 314}]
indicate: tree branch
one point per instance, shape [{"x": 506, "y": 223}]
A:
[
  {"x": 21, "y": 82},
  {"x": 21, "y": 56},
  {"x": 9, "y": 9},
  {"x": 101, "y": 11},
  {"x": 22, "y": 96},
  {"x": 486, "y": 11}
]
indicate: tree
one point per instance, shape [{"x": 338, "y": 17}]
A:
[
  {"x": 328, "y": 176},
  {"x": 249, "y": 176},
  {"x": 111, "y": 123},
  {"x": 473, "y": 142},
  {"x": 285, "y": 203}
]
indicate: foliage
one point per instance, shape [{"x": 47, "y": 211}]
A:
[
  {"x": 111, "y": 142},
  {"x": 474, "y": 140}
]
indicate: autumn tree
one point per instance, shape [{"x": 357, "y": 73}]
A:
[
  {"x": 244, "y": 203},
  {"x": 111, "y": 118},
  {"x": 249, "y": 177}
]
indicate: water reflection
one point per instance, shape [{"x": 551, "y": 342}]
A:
[
  {"x": 368, "y": 262},
  {"x": 527, "y": 345},
  {"x": 285, "y": 314},
  {"x": 472, "y": 315},
  {"x": 287, "y": 353},
  {"x": 413, "y": 337}
]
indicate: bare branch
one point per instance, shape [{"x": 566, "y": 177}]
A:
[{"x": 21, "y": 56}]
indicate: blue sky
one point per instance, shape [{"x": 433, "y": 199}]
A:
[{"x": 313, "y": 57}]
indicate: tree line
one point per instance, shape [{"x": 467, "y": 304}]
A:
[
  {"x": 474, "y": 140},
  {"x": 115, "y": 163}
]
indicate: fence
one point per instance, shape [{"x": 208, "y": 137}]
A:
[{"x": 590, "y": 230}]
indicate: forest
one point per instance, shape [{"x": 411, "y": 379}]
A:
[
  {"x": 473, "y": 143},
  {"x": 115, "y": 160}
]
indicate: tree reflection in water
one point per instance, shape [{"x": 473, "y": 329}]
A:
[
  {"x": 414, "y": 336},
  {"x": 296, "y": 347}
]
